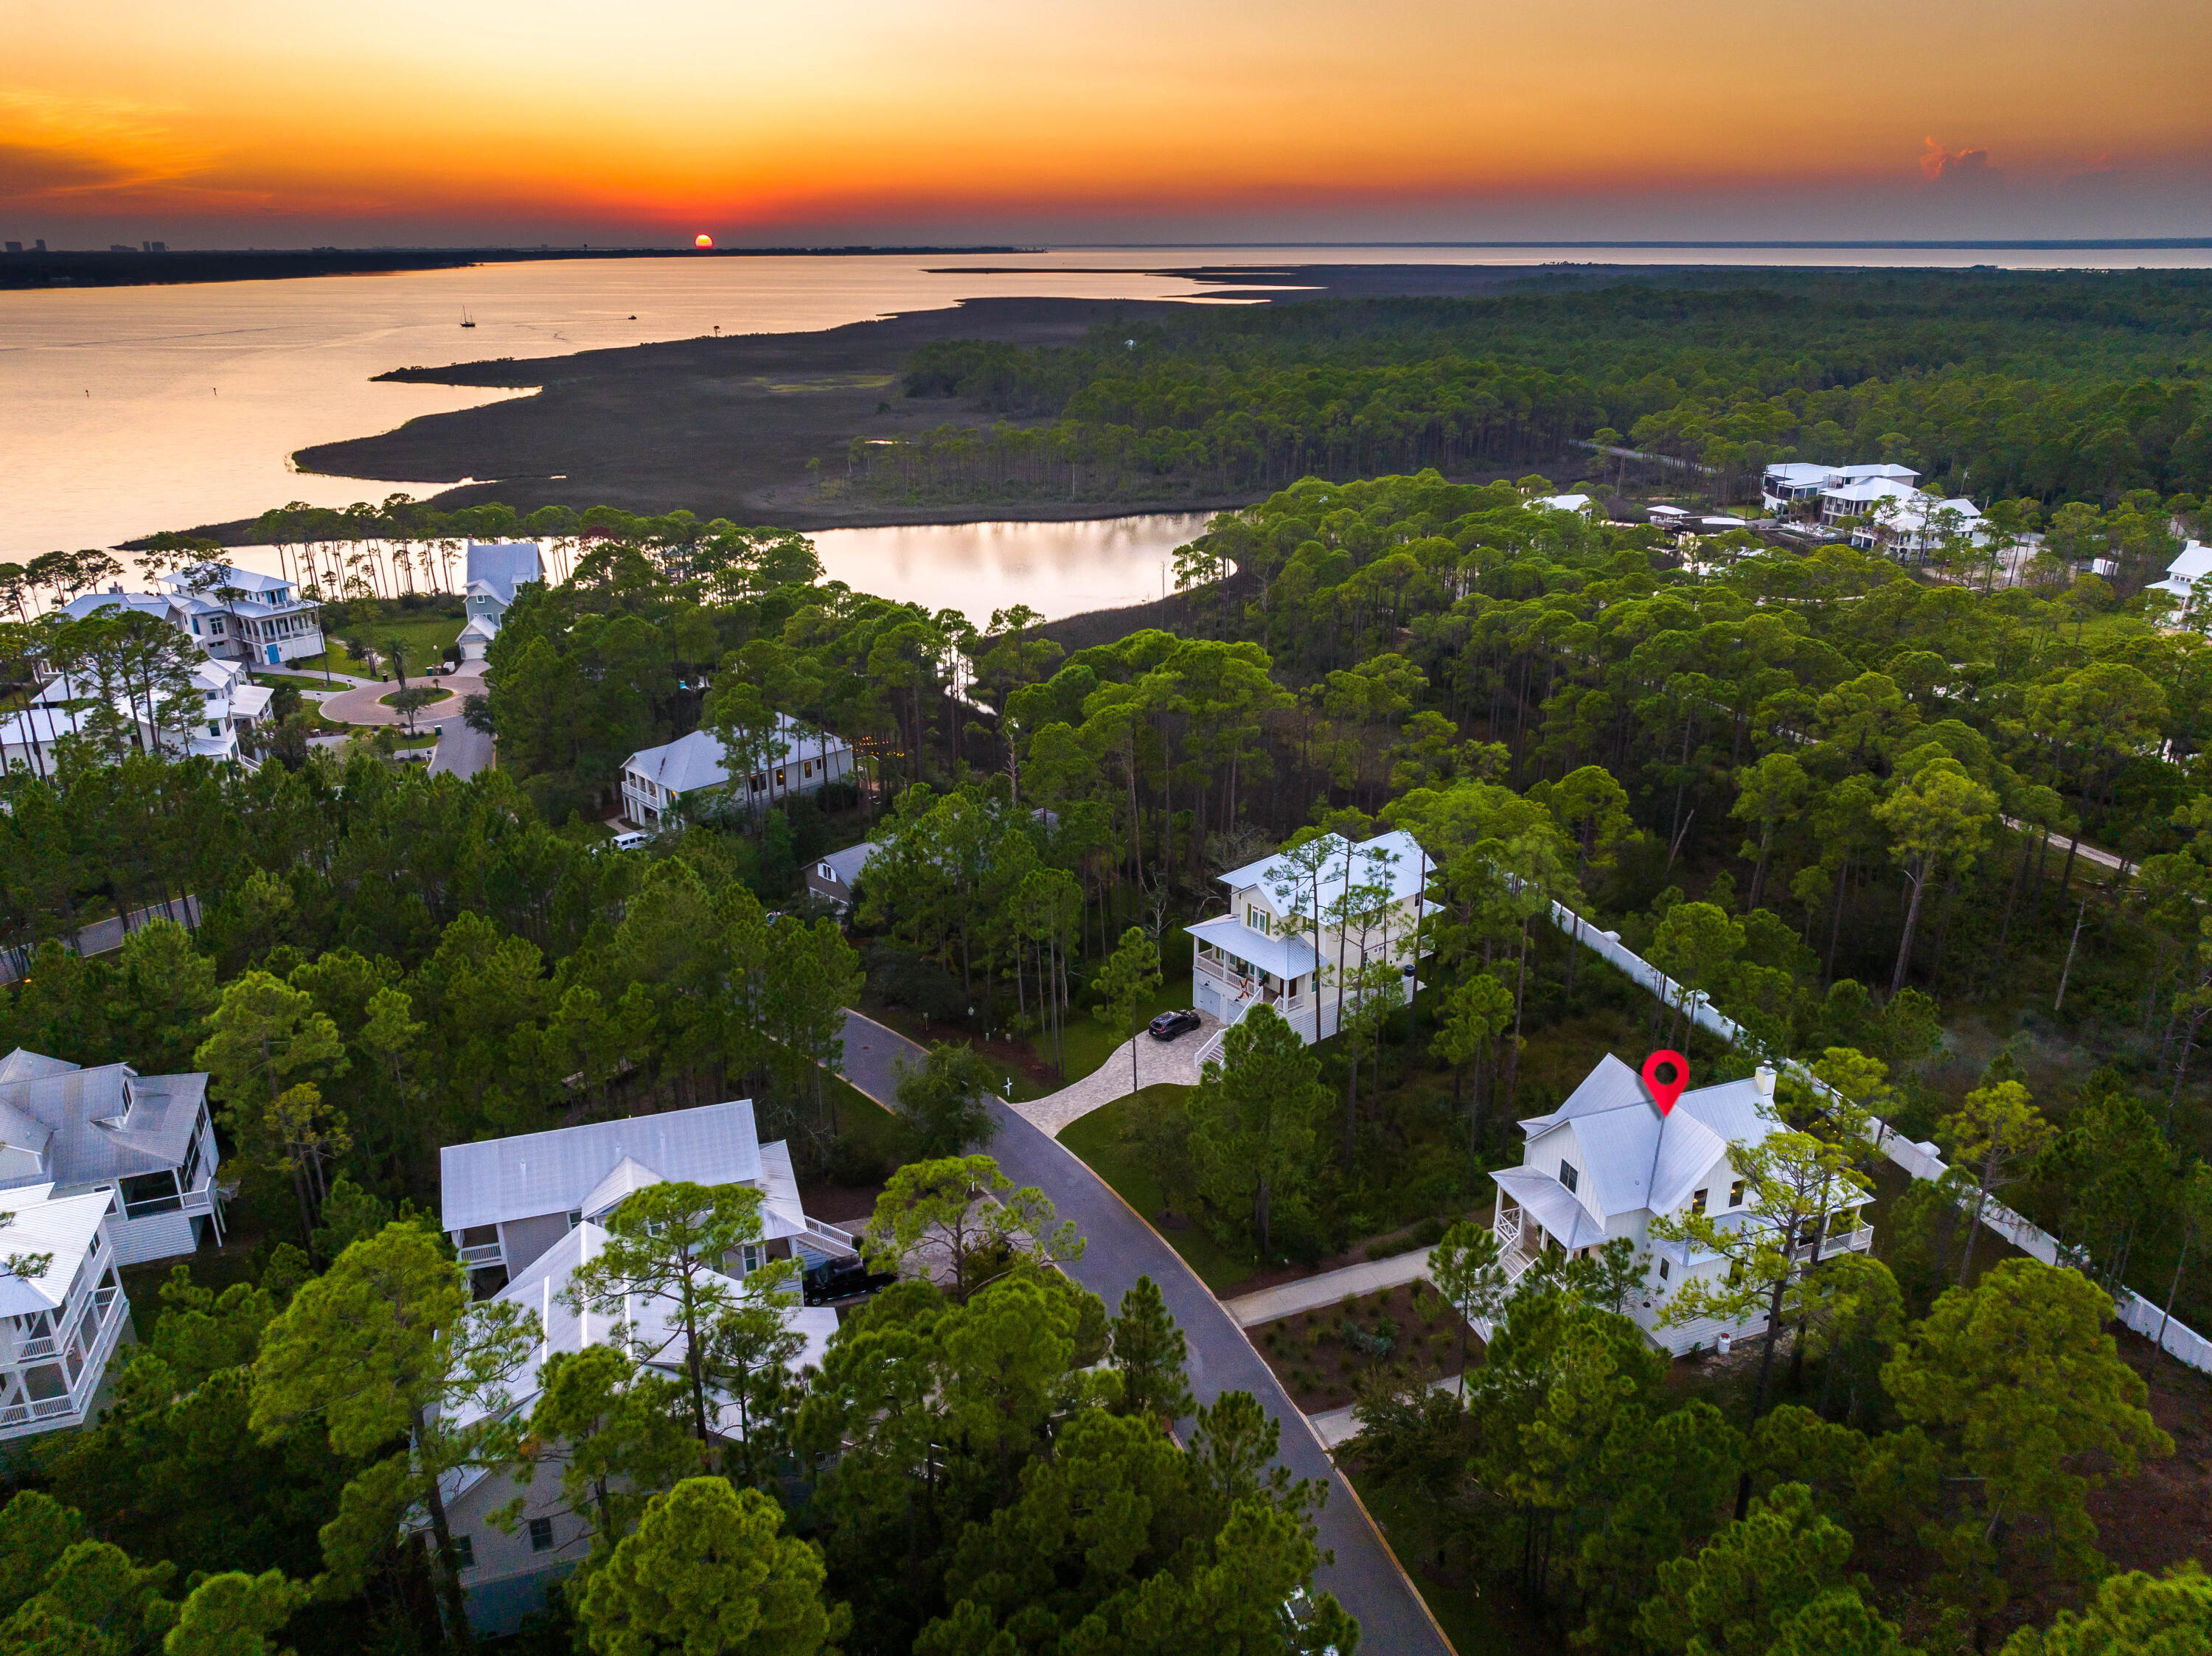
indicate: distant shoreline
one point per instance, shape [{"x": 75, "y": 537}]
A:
[{"x": 87, "y": 268}]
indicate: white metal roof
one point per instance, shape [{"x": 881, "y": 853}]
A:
[
  {"x": 1852, "y": 474},
  {"x": 1798, "y": 473},
  {"x": 1876, "y": 488},
  {"x": 63, "y": 1226},
  {"x": 1634, "y": 1158},
  {"x": 503, "y": 565},
  {"x": 1564, "y": 1218},
  {"x": 696, "y": 761},
  {"x": 2190, "y": 564},
  {"x": 845, "y": 866},
  {"x": 499, "y": 1180},
  {"x": 1395, "y": 859},
  {"x": 1285, "y": 956},
  {"x": 1559, "y": 502},
  {"x": 95, "y": 1130}
]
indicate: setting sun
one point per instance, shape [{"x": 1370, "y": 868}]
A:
[{"x": 702, "y": 241}]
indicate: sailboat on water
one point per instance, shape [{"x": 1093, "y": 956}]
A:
[{"x": 467, "y": 321}]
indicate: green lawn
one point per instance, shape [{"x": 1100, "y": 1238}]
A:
[
  {"x": 1090, "y": 1043},
  {"x": 1096, "y": 1138}
]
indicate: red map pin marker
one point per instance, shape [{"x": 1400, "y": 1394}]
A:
[{"x": 1664, "y": 1093}]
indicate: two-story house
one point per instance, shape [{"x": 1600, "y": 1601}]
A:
[
  {"x": 495, "y": 569},
  {"x": 59, "y": 1323},
  {"x": 830, "y": 880},
  {"x": 1296, "y": 939},
  {"x": 505, "y": 1572},
  {"x": 206, "y": 722},
  {"x": 525, "y": 1213},
  {"x": 239, "y": 615},
  {"x": 1607, "y": 1162},
  {"x": 148, "y": 1137},
  {"x": 656, "y": 781},
  {"x": 506, "y": 1201}
]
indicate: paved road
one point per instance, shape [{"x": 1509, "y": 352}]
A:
[
  {"x": 462, "y": 751},
  {"x": 103, "y": 935},
  {"x": 1123, "y": 1247}
]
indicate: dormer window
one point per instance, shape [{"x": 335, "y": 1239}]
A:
[
  {"x": 1698, "y": 1201},
  {"x": 1257, "y": 919},
  {"x": 1568, "y": 1176},
  {"x": 1736, "y": 1194}
]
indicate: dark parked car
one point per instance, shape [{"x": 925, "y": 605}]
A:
[
  {"x": 826, "y": 1284},
  {"x": 1169, "y": 1025}
]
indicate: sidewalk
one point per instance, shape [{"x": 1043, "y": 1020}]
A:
[
  {"x": 1311, "y": 1292},
  {"x": 1168, "y": 1063},
  {"x": 103, "y": 935},
  {"x": 1337, "y": 1425}
]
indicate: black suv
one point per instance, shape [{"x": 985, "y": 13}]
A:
[
  {"x": 1169, "y": 1025},
  {"x": 826, "y": 1284}
]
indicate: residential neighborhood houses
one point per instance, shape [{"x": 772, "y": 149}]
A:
[
  {"x": 524, "y": 1213},
  {"x": 1609, "y": 1161},
  {"x": 206, "y": 722},
  {"x": 495, "y": 569},
  {"x": 1298, "y": 932},
  {"x": 100, "y": 1167},
  {"x": 657, "y": 781}
]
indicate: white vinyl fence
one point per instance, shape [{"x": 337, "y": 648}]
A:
[{"x": 2182, "y": 1342}]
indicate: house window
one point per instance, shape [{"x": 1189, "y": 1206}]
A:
[
  {"x": 807, "y": 769},
  {"x": 1662, "y": 1271},
  {"x": 1256, "y": 918},
  {"x": 779, "y": 776},
  {"x": 541, "y": 1535},
  {"x": 823, "y": 869},
  {"x": 465, "y": 1551},
  {"x": 1698, "y": 1201},
  {"x": 1736, "y": 1194},
  {"x": 1568, "y": 1176}
]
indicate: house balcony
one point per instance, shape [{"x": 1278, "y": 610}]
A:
[
  {"x": 51, "y": 1383},
  {"x": 482, "y": 1256}
]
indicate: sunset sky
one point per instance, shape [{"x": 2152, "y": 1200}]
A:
[{"x": 231, "y": 123}]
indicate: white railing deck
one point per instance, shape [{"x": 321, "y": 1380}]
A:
[{"x": 482, "y": 1254}]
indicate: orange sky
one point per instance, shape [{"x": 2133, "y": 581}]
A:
[{"x": 231, "y": 122}]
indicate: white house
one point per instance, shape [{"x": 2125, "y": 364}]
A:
[
  {"x": 505, "y": 1574},
  {"x": 224, "y": 702},
  {"x": 59, "y": 1325},
  {"x": 1265, "y": 949},
  {"x": 525, "y": 1212},
  {"x": 2190, "y": 565},
  {"x": 148, "y": 1137},
  {"x": 496, "y": 568},
  {"x": 237, "y": 614},
  {"x": 1791, "y": 484},
  {"x": 1606, "y": 1163},
  {"x": 506, "y": 1201},
  {"x": 1560, "y": 503},
  {"x": 656, "y": 781}
]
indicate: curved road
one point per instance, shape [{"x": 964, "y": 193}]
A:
[{"x": 1122, "y": 1247}]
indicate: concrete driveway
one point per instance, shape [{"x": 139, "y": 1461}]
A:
[
  {"x": 1172, "y": 1063},
  {"x": 1122, "y": 1247},
  {"x": 363, "y": 704}
]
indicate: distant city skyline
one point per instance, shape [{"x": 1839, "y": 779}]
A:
[{"x": 244, "y": 122}]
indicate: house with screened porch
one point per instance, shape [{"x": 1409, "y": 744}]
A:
[
  {"x": 1606, "y": 1163},
  {"x": 1296, "y": 939}
]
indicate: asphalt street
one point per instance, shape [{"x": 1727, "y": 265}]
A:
[{"x": 1121, "y": 1248}]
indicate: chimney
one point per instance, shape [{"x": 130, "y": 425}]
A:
[{"x": 1763, "y": 1078}]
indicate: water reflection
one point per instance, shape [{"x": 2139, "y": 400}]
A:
[{"x": 1056, "y": 568}]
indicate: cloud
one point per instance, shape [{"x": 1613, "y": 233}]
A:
[
  {"x": 61, "y": 147},
  {"x": 1955, "y": 166}
]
